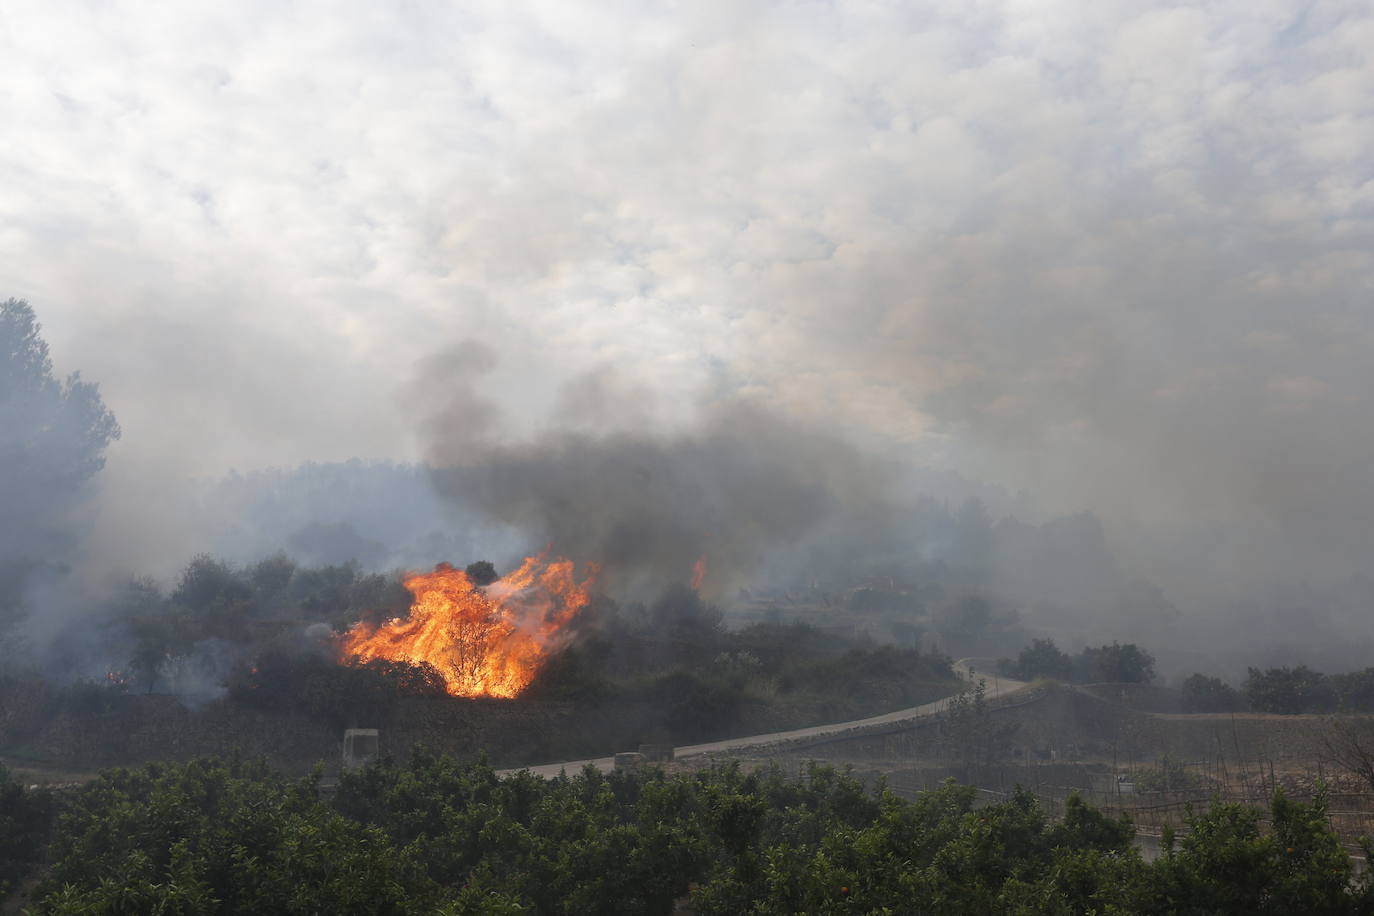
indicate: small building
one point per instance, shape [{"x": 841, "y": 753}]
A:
[
  {"x": 361, "y": 746},
  {"x": 656, "y": 753},
  {"x": 628, "y": 760}
]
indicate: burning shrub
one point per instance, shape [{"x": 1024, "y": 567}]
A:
[{"x": 484, "y": 641}]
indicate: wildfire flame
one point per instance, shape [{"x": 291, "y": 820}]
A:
[
  {"x": 698, "y": 573},
  {"x": 485, "y": 642}
]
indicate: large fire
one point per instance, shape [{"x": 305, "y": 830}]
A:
[{"x": 485, "y": 641}]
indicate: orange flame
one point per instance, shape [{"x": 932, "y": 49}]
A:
[
  {"x": 698, "y": 573},
  {"x": 485, "y": 642}
]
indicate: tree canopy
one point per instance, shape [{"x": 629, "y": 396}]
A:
[
  {"x": 53, "y": 435},
  {"x": 438, "y": 836},
  {"x": 1116, "y": 663},
  {"x": 1203, "y": 693}
]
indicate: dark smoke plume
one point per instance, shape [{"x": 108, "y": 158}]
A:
[{"x": 604, "y": 486}]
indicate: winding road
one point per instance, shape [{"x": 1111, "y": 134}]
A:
[{"x": 967, "y": 669}]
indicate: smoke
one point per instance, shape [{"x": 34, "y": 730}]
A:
[
  {"x": 1118, "y": 258},
  {"x": 768, "y": 498},
  {"x": 1177, "y": 389},
  {"x": 603, "y": 484}
]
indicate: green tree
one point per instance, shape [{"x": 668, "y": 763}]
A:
[
  {"x": 973, "y": 736},
  {"x": 1084, "y": 827},
  {"x": 1042, "y": 658},
  {"x": 1202, "y": 693},
  {"x": 1115, "y": 664},
  {"x": 271, "y": 575},
  {"x": 964, "y": 620},
  {"x": 211, "y": 836},
  {"x": 159, "y": 640},
  {"x": 679, "y": 613},
  {"x": 436, "y": 835},
  {"x": 1355, "y": 690},
  {"x": 1289, "y": 691},
  {"x": 206, "y": 582},
  {"x": 25, "y": 817},
  {"x": 53, "y": 436},
  {"x": 55, "y": 432},
  {"x": 1224, "y": 863}
]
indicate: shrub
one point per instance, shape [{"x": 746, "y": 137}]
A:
[
  {"x": 342, "y": 694},
  {"x": 1115, "y": 664},
  {"x": 1042, "y": 658},
  {"x": 1289, "y": 691},
  {"x": 1202, "y": 693},
  {"x": 25, "y": 817},
  {"x": 1355, "y": 690},
  {"x": 214, "y": 836},
  {"x": 437, "y": 835}
]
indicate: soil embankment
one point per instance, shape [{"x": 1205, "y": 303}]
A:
[{"x": 38, "y": 732}]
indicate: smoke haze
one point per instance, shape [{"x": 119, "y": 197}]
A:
[
  {"x": 604, "y": 486},
  {"x": 1117, "y": 257}
]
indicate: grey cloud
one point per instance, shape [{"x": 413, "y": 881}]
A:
[{"x": 1116, "y": 254}]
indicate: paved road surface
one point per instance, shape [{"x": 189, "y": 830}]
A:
[{"x": 740, "y": 746}]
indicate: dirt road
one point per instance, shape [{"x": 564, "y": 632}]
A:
[{"x": 968, "y": 669}]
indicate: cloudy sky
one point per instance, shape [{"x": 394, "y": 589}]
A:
[{"x": 1117, "y": 253}]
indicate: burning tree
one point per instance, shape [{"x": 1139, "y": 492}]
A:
[{"x": 484, "y": 640}]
